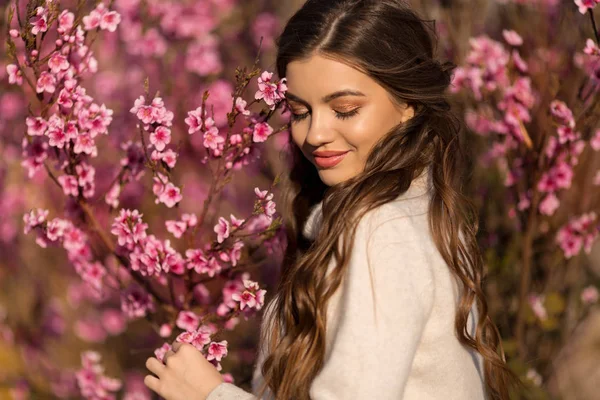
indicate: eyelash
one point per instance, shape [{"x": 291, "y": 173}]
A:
[{"x": 339, "y": 115}]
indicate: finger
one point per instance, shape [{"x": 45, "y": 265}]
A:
[
  {"x": 153, "y": 383},
  {"x": 155, "y": 366},
  {"x": 176, "y": 345},
  {"x": 168, "y": 355}
]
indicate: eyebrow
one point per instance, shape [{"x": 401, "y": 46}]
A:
[{"x": 325, "y": 99}]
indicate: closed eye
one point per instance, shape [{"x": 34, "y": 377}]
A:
[{"x": 340, "y": 115}]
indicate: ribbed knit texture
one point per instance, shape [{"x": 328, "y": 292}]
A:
[{"x": 390, "y": 326}]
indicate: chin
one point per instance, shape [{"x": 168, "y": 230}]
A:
[{"x": 331, "y": 177}]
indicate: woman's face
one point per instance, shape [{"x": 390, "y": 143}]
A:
[{"x": 337, "y": 108}]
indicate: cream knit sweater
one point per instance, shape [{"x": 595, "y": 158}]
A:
[{"x": 390, "y": 326}]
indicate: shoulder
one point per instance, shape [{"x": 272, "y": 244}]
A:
[{"x": 403, "y": 218}]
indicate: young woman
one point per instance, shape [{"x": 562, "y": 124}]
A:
[{"x": 381, "y": 292}]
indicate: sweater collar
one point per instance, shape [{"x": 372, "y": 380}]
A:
[{"x": 419, "y": 186}]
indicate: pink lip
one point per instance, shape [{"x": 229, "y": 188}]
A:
[{"x": 328, "y": 162}]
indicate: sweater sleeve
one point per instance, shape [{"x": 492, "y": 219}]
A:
[
  {"x": 387, "y": 301},
  {"x": 228, "y": 391}
]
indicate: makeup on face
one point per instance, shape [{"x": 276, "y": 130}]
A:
[{"x": 338, "y": 108}]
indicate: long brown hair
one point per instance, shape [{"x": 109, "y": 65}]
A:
[{"x": 389, "y": 42}]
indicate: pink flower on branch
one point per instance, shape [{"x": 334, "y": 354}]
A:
[
  {"x": 39, "y": 22},
  {"x": 187, "y": 320},
  {"x": 585, "y": 5},
  {"x": 15, "y": 76}
]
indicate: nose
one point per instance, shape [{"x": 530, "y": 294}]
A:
[{"x": 319, "y": 130}]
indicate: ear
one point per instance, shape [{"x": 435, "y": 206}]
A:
[{"x": 408, "y": 112}]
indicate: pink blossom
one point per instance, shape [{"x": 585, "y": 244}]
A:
[
  {"x": 212, "y": 139},
  {"x": 236, "y": 223},
  {"x": 93, "y": 20},
  {"x": 189, "y": 219},
  {"x": 263, "y": 194},
  {"x": 58, "y": 63},
  {"x": 240, "y": 106},
  {"x": 69, "y": 185},
  {"x": 46, "y": 83},
  {"x": 562, "y": 113},
  {"x": 112, "y": 196},
  {"x": 85, "y": 144},
  {"x": 165, "y": 330},
  {"x": 160, "y": 137},
  {"x": 585, "y": 5},
  {"x": 64, "y": 99},
  {"x": 110, "y": 20},
  {"x": 591, "y": 48},
  {"x": 170, "y": 195},
  {"x": 595, "y": 142},
  {"x": 129, "y": 227},
  {"x": 188, "y": 321},
  {"x": 589, "y": 295},
  {"x": 233, "y": 255},
  {"x": 15, "y": 76},
  {"x": 578, "y": 232},
  {"x": 261, "y": 132},
  {"x": 267, "y": 90},
  {"x": 135, "y": 302},
  {"x": 520, "y": 64},
  {"x": 222, "y": 229},
  {"x": 537, "y": 305},
  {"x": 177, "y": 228},
  {"x": 169, "y": 157},
  {"x": 34, "y": 218},
  {"x": 194, "y": 120},
  {"x": 162, "y": 351},
  {"x": 549, "y": 205},
  {"x": 217, "y": 350},
  {"x": 197, "y": 261},
  {"x": 512, "y": 37},
  {"x": 56, "y": 228},
  {"x": 246, "y": 299},
  {"x": 13, "y": 33},
  {"x": 65, "y": 21},
  {"x": 39, "y": 21},
  {"x": 36, "y": 126}
]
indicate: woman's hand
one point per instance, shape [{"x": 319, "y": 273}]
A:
[{"x": 186, "y": 374}]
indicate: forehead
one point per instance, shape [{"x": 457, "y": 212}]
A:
[{"x": 317, "y": 76}]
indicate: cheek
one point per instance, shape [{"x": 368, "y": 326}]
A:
[{"x": 296, "y": 137}]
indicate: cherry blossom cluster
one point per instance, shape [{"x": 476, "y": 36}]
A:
[
  {"x": 580, "y": 232},
  {"x": 136, "y": 302},
  {"x": 91, "y": 380},
  {"x": 157, "y": 121},
  {"x": 75, "y": 119},
  {"x": 487, "y": 73},
  {"x": 62, "y": 232},
  {"x": 258, "y": 130},
  {"x": 269, "y": 91},
  {"x": 190, "y": 24},
  {"x": 563, "y": 152},
  {"x": 249, "y": 296},
  {"x": 65, "y": 132}
]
